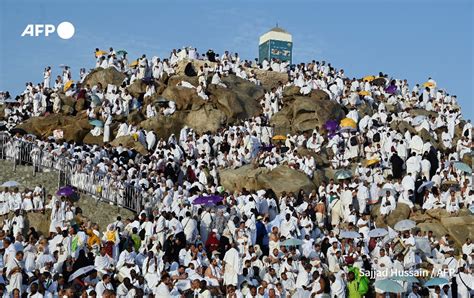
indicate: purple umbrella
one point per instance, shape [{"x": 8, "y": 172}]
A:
[
  {"x": 207, "y": 200},
  {"x": 392, "y": 89},
  {"x": 65, "y": 191},
  {"x": 331, "y": 125}
]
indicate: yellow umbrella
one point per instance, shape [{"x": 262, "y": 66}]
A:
[
  {"x": 68, "y": 85},
  {"x": 429, "y": 84},
  {"x": 348, "y": 122},
  {"x": 368, "y": 78},
  {"x": 364, "y": 93},
  {"x": 370, "y": 162},
  {"x": 100, "y": 53},
  {"x": 134, "y": 63},
  {"x": 279, "y": 138}
]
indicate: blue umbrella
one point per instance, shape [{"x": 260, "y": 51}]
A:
[
  {"x": 389, "y": 286},
  {"x": 208, "y": 200},
  {"x": 292, "y": 242},
  {"x": 96, "y": 123},
  {"x": 437, "y": 281},
  {"x": 463, "y": 167},
  {"x": 406, "y": 278},
  {"x": 10, "y": 184},
  {"x": 96, "y": 100}
]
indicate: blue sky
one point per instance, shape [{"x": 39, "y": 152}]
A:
[{"x": 406, "y": 39}]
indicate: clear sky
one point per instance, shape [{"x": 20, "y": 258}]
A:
[{"x": 406, "y": 39}]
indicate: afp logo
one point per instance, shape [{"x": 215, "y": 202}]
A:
[{"x": 65, "y": 30}]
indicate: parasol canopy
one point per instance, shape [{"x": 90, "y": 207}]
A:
[
  {"x": 343, "y": 174},
  {"x": 348, "y": 122},
  {"x": 405, "y": 225},
  {"x": 68, "y": 85},
  {"x": 368, "y": 78},
  {"x": 292, "y": 242},
  {"x": 66, "y": 191},
  {"x": 279, "y": 138},
  {"x": 96, "y": 122},
  {"x": 10, "y": 183},
  {"x": 207, "y": 200},
  {"x": 378, "y": 232},
  {"x": 389, "y": 286}
]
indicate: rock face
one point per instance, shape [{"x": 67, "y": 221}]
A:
[
  {"x": 104, "y": 77},
  {"x": 165, "y": 126},
  {"x": 280, "y": 179},
  {"x": 270, "y": 79},
  {"x": 129, "y": 142},
  {"x": 205, "y": 119},
  {"x": 74, "y": 128},
  {"x": 400, "y": 213},
  {"x": 302, "y": 113}
]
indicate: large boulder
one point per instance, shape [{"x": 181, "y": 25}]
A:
[
  {"x": 185, "y": 98},
  {"x": 129, "y": 142},
  {"x": 279, "y": 179},
  {"x": 238, "y": 100},
  {"x": 164, "y": 126},
  {"x": 74, "y": 128},
  {"x": 135, "y": 117},
  {"x": 301, "y": 114},
  {"x": 104, "y": 77},
  {"x": 205, "y": 119},
  {"x": 460, "y": 227},
  {"x": 400, "y": 213},
  {"x": 270, "y": 79}
]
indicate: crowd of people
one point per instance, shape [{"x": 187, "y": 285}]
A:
[{"x": 252, "y": 243}]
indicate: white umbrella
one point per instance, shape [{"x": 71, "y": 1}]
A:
[
  {"x": 383, "y": 191},
  {"x": 404, "y": 225},
  {"x": 10, "y": 184},
  {"x": 427, "y": 185},
  {"x": 418, "y": 120},
  {"x": 378, "y": 232},
  {"x": 349, "y": 234},
  {"x": 81, "y": 271}
]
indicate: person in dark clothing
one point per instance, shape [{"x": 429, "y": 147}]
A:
[
  {"x": 432, "y": 156},
  {"x": 397, "y": 165}
]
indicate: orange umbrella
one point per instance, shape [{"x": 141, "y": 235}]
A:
[
  {"x": 368, "y": 78},
  {"x": 100, "y": 53},
  {"x": 370, "y": 162},
  {"x": 279, "y": 138},
  {"x": 68, "y": 85},
  {"x": 348, "y": 122},
  {"x": 134, "y": 63},
  {"x": 364, "y": 93},
  {"x": 429, "y": 84}
]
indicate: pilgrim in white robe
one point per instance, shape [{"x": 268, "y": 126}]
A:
[{"x": 232, "y": 267}]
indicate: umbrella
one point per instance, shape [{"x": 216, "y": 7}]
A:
[
  {"x": 348, "y": 129},
  {"x": 364, "y": 93},
  {"x": 418, "y": 120},
  {"x": 471, "y": 209},
  {"x": 68, "y": 85},
  {"x": 95, "y": 99},
  {"x": 134, "y": 63},
  {"x": 19, "y": 131},
  {"x": 100, "y": 53},
  {"x": 429, "y": 84},
  {"x": 96, "y": 123},
  {"x": 279, "y": 138},
  {"x": 292, "y": 242},
  {"x": 81, "y": 271},
  {"x": 371, "y": 162},
  {"x": 207, "y": 200},
  {"x": 406, "y": 278},
  {"x": 10, "y": 184},
  {"x": 379, "y": 82},
  {"x": 437, "y": 281},
  {"x": 348, "y": 122},
  {"x": 378, "y": 232},
  {"x": 427, "y": 185},
  {"x": 349, "y": 234},
  {"x": 331, "y": 125},
  {"x": 392, "y": 89},
  {"x": 463, "y": 167},
  {"x": 404, "y": 225},
  {"x": 10, "y": 100},
  {"x": 66, "y": 191},
  {"x": 368, "y": 78},
  {"x": 63, "y": 65},
  {"x": 389, "y": 286},
  {"x": 121, "y": 52},
  {"x": 343, "y": 174},
  {"x": 383, "y": 191}
]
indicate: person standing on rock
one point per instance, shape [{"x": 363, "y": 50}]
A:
[
  {"x": 107, "y": 132},
  {"x": 47, "y": 77}
]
